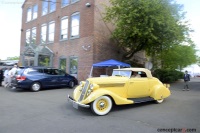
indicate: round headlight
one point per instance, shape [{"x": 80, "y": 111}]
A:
[{"x": 82, "y": 83}]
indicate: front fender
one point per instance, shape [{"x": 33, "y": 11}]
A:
[
  {"x": 101, "y": 92},
  {"x": 160, "y": 92}
]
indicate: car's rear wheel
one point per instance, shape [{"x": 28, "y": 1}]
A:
[
  {"x": 36, "y": 86},
  {"x": 71, "y": 84},
  {"x": 159, "y": 101},
  {"x": 102, "y": 105}
]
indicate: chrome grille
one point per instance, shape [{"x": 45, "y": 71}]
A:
[{"x": 84, "y": 90}]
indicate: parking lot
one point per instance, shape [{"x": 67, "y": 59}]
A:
[{"x": 48, "y": 111}]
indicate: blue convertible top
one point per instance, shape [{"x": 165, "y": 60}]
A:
[{"x": 111, "y": 63}]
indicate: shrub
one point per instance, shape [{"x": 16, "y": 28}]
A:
[{"x": 168, "y": 75}]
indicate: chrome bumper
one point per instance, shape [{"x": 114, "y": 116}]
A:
[{"x": 77, "y": 104}]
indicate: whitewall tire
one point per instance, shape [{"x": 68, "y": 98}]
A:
[
  {"x": 159, "y": 101},
  {"x": 102, "y": 105}
]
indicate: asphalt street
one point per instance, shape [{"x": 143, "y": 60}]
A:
[{"x": 48, "y": 111}]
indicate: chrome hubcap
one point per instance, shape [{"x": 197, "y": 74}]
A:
[
  {"x": 102, "y": 104},
  {"x": 36, "y": 87}
]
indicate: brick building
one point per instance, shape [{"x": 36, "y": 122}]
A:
[{"x": 67, "y": 34}]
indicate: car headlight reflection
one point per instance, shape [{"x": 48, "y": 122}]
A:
[
  {"x": 82, "y": 83},
  {"x": 91, "y": 88}
]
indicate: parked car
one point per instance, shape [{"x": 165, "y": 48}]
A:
[
  {"x": 101, "y": 93},
  {"x": 36, "y": 78}
]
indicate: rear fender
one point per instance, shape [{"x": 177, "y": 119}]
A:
[{"x": 160, "y": 92}]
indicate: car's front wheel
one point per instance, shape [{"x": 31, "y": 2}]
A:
[
  {"x": 159, "y": 101},
  {"x": 36, "y": 86},
  {"x": 102, "y": 105}
]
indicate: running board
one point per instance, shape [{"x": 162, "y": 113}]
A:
[{"x": 140, "y": 100}]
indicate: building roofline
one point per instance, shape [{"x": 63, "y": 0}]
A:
[{"x": 23, "y": 4}]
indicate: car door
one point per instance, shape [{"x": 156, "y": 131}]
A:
[
  {"x": 63, "y": 78},
  {"x": 138, "y": 87},
  {"x": 50, "y": 79}
]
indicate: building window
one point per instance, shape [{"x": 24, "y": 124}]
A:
[
  {"x": 75, "y": 22},
  {"x": 43, "y": 34},
  {"x": 44, "y": 60},
  {"x": 48, "y": 6},
  {"x": 64, "y": 28},
  {"x": 51, "y": 31},
  {"x": 32, "y": 13},
  {"x": 63, "y": 64},
  {"x": 44, "y": 7},
  {"x": 74, "y": 66},
  {"x": 65, "y": 3},
  {"x": 47, "y": 33},
  {"x": 52, "y": 5},
  {"x": 33, "y": 35},
  {"x": 73, "y": 1},
  {"x": 35, "y": 10},
  {"x": 29, "y": 12},
  {"x": 28, "y": 35}
]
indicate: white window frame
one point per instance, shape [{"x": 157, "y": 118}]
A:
[
  {"x": 45, "y": 6},
  {"x": 64, "y": 29},
  {"x": 74, "y": 1},
  {"x": 48, "y": 7},
  {"x": 52, "y": 6},
  {"x": 51, "y": 31},
  {"x": 33, "y": 34},
  {"x": 43, "y": 39},
  {"x": 35, "y": 12},
  {"x": 65, "y": 3},
  {"x": 32, "y": 12},
  {"x": 29, "y": 14},
  {"x": 75, "y": 26},
  {"x": 28, "y": 36}
]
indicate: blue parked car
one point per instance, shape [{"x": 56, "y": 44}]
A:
[{"x": 36, "y": 78}]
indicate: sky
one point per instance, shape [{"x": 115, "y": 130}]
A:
[{"x": 10, "y": 25}]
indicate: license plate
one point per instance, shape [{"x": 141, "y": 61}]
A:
[{"x": 75, "y": 105}]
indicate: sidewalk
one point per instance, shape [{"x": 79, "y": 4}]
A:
[
  {"x": 194, "y": 84},
  {"x": 195, "y": 79}
]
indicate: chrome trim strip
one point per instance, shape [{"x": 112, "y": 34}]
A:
[
  {"x": 84, "y": 91},
  {"x": 71, "y": 100}
]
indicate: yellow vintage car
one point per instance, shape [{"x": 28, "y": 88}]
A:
[{"x": 125, "y": 86}]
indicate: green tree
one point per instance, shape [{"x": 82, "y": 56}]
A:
[
  {"x": 150, "y": 25},
  {"x": 180, "y": 55},
  {"x": 13, "y": 58}
]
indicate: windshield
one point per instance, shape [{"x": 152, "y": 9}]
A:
[{"x": 121, "y": 73}]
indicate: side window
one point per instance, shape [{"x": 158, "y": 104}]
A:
[
  {"x": 143, "y": 75},
  {"x": 40, "y": 70},
  {"x": 47, "y": 71},
  {"x": 135, "y": 74},
  {"x": 35, "y": 71},
  {"x": 60, "y": 72},
  {"x": 52, "y": 71}
]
